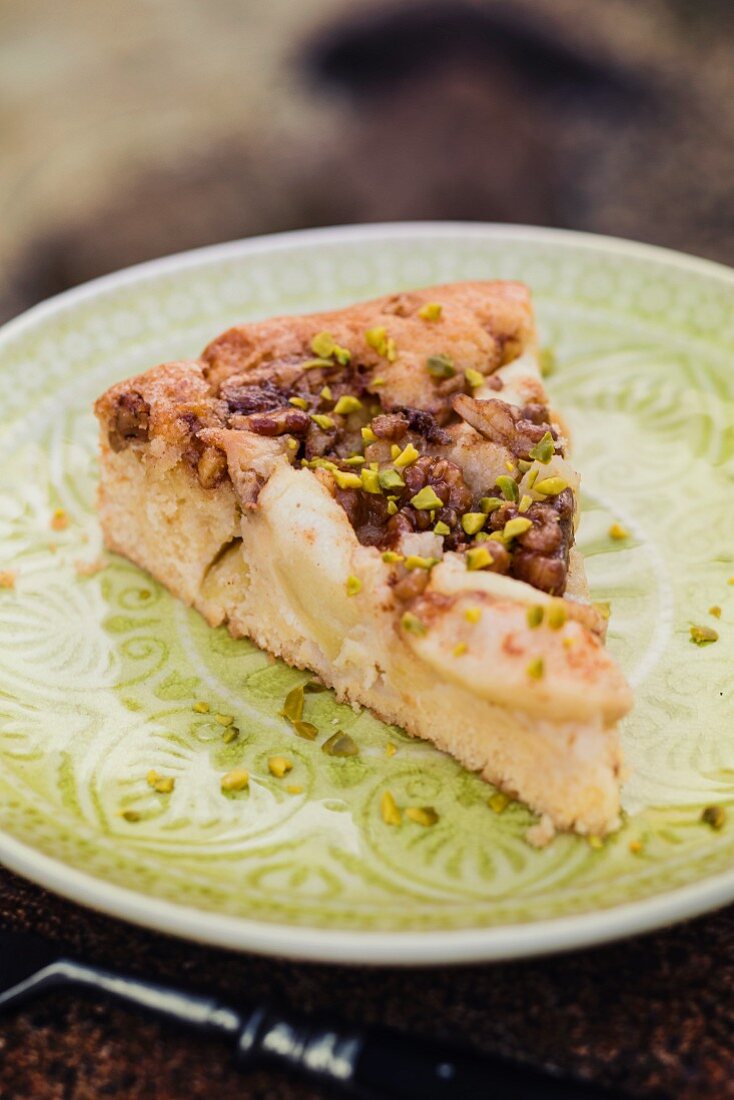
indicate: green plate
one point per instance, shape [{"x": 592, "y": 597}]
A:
[{"x": 99, "y": 671}]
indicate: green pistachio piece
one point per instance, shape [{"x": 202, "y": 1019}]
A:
[
  {"x": 544, "y": 450},
  {"x": 340, "y": 744},
  {"x": 551, "y": 486},
  {"x": 508, "y": 488},
  {"x": 347, "y": 404},
  {"x": 391, "y": 479},
  {"x": 517, "y": 526},
  {"x": 473, "y": 522},
  {"x": 440, "y": 366},
  {"x": 426, "y": 499},
  {"x": 431, "y": 311}
]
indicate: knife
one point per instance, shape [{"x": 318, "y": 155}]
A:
[{"x": 368, "y": 1063}]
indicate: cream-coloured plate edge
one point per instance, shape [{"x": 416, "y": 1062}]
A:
[{"x": 587, "y": 290}]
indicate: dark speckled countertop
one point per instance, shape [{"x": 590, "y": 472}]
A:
[{"x": 650, "y": 1017}]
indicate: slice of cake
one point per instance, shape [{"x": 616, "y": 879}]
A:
[{"x": 382, "y": 494}]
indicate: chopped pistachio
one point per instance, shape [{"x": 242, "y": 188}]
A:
[
  {"x": 415, "y": 561},
  {"x": 407, "y": 456},
  {"x": 298, "y": 402},
  {"x": 230, "y": 735},
  {"x": 391, "y": 479},
  {"x": 535, "y": 668},
  {"x": 532, "y": 477},
  {"x": 293, "y": 705},
  {"x": 459, "y": 649},
  {"x": 426, "y": 499},
  {"x": 534, "y": 615},
  {"x": 499, "y": 801},
  {"x": 441, "y": 528},
  {"x": 279, "y": 766},
  {"x": 412, "y": 624},
  {"x": 595, "y": 841},
  {"x": 345, "y": 479},
  {"x": 347, "y": 404},
  {"x": 201, "y": 707},
  {"x": 510, "y": 466},
  {"x": 391, "y": 508},
  {"x": 703, "y": 635},
  {"x": 490, "y": 504},
  {"x": 323, "y": 345},
  {"x": 354, "y": 460},
  {"x": 508, "y": 487},
  {"x": 294, "y": 788},
  {"x": 544, "y": 450},
  {"x": 314, "y": 687},
  {"x": 440, "y": 366},
  {"x": 164, "y": 784},
  {"x": 473, "y": 522},
  {"x": 715, "y": 611},
  {"x": 340, "y": 744},
  {"x": 390, "y": 749},
  {"x": 525, "y": 503},
  {"x": 546, "y": 361},
  {"x": 354, "y": 585},
  {"x": 478, "y": 557},
  {"x": 306, "y": 730},
  {"x": 324, "y": 422},
  {"x": 371, "y": 482},
  {"x": 384, "y": 345},
  {"x": 391, "y": 557},
  {"x": 715, "y": 816},
  {"x": 517, "y": 526},
  {"x": 557, "y": 615},
  {"x": 551, "y": 486},
  {"x": 603, "y": 607},
  {"x": 473, "y": 614},
  {"x": 326, "y": 393},
  {"x": 422, "y": 815},
  {"x": 130, "y": 815},
  {"x": 389, "y": 809},
  {"x": 431, "y": 311},
  {"x": 315, "y": 364},
  {"x": 618, "y": 532},
  {"x": 523, "y": 465},
  {"x": 224, "y": 719},
  {"x": 378, "y": 380},
  {"x": 368, "y": 435},
  {"x": 475, "y": 378},
  {"x": 236, "y": 780},
  {"x": 152, "y": 777}
]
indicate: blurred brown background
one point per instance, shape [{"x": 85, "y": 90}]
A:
[{"x": 130, "y": 130}]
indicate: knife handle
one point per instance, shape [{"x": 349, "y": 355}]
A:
[{"x": 384, "y": 1065}]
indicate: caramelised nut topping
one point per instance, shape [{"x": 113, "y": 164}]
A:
[
  {"x": 131, "y": 421},
  {"x": 520, "y": 430}
]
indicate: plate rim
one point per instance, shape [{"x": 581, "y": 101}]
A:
[{"x": 334, "y": 945}]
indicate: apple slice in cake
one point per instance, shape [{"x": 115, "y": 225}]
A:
[{"x": 382, "y": 494}]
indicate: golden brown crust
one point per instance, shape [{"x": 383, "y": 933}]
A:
[{"x": 491, "y": 322}]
